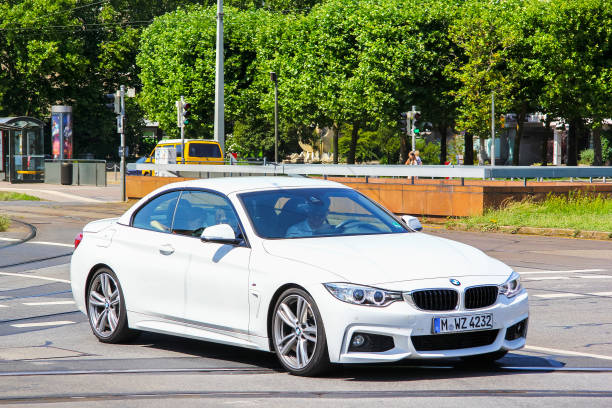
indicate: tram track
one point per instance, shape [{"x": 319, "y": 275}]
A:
[{"x": 342, "y": 395}]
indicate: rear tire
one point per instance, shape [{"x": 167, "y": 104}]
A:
[
  {"x": 106, "y": 308},
  {"x": 298, "y": 334}
]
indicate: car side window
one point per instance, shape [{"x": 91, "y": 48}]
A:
[
  {"x": 197, "y": 210},
  {"x": 157, "y": 214}
]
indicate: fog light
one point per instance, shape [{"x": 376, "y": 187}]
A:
[{"x": 358, "y": 340}]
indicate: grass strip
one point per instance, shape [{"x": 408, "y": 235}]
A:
[
  {"x": 577, "y": 211},
  {"x": 4, "y": 223},
  {"x": 9, "y": 196}
]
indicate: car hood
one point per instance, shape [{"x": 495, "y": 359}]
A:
[{"x": 380, "y": 259}]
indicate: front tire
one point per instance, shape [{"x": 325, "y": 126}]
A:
[
  {"x": 106, "y": 308},
  {"x": 298, "y": 334}
]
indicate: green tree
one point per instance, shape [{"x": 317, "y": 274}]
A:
[{"x": 575, "y": 63}]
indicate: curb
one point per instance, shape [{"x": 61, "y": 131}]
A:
[
  {"x": 547, "y": 232},
  {"x": 16, "y": 235}
]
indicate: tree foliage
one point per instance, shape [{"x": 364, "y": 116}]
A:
[{"x": 349, "y": 65}]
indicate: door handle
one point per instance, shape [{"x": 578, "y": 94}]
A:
[{"x": 166, "y": 249}]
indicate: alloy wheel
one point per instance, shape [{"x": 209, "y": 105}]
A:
[
  {"x": 104, "y": 302},
  {"x": 295, "y": 331}
]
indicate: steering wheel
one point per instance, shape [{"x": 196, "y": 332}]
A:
[{"x": 356, "y": 223}]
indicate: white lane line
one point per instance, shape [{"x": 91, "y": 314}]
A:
[
  {"x": 558, "y": 295},
  {"x": 536, "y": 272},
  {"x": 3, "y": 306},
  {"x": 566, "y": 352},
  {"x": 43, "y": 324},
  {"x": 527, "y": 279},
  {"x": 594, "y": 276},
  {"x": 60, "y": 302},
  {"x": 38, "y": 242},
  {"x": 601, "y": 293},
  {"x": 50, "y": 243},
  {"x": 23, "y": 275}
]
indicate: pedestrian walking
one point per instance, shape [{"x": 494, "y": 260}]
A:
[
  {"x": 417, "y": 158},
  {"x": 411, "y": 159}
]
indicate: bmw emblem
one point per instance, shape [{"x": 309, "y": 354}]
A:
[{"x": 455, "y": 282}]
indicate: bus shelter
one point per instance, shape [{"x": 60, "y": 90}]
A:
[{"x": 22, "y": 149}]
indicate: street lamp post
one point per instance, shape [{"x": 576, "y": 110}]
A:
[
  {"x": 219, "y": 124},
  {"x": 492, "y": 128},
  {"x": 274, "y": 79}
]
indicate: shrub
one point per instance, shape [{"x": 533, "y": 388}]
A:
[{"x": 587, "y": 157}]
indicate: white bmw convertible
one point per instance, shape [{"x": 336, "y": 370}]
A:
[{"x": 309, "y": 269}]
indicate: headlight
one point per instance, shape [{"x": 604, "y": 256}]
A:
[
  {"x": 512, "y": 286},
  {"x": 362, "y": 295}
]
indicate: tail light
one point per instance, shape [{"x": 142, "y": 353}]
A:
[{"x": 78, "y": 239}]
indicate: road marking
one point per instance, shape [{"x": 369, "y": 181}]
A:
[
  {"x": 38, "y": 242},
  {"x": 537, "y": 272},
  {"x": 61, "y": 302},
  {"x": 3, "y": 306},
  {"x": 545, "y": 278},
  {"x": 23, "y": 275},
  {"x": 558, "y": 295},
  {"x": 50, "y": 243},
  {"x": 566, "y": 352},
  {"x": 595, "y": 276},
  {"x": 42, "y": 324},
  {"x": 601, "y": 293}
]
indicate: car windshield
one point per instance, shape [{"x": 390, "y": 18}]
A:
[{"x": 316, "y": 212}]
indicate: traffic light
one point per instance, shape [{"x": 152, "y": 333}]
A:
[
  {"x": 183, "y": 113},
  {"x": 416, "y": 125},
  {"x": 404, "y": 122},
  {"x": 186, "y": 113},
  {"x": 116, "y": 105}
]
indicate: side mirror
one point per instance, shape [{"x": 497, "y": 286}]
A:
[
  {"x": 220, "y": 233},
  {"x": 412, "y": 222}
]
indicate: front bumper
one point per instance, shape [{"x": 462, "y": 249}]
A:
[{"x": 401, "y": 321}]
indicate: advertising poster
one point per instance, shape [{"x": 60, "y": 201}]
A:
[
  {"x": 55, "y": 135},
  {"x": 67, "y": 139}
]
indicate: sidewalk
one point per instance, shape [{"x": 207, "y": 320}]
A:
[{"x": 66, "y": 194}]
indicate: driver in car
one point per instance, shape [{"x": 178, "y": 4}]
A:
[{"x": 316, "y": 210}]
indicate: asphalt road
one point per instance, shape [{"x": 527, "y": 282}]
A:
[{"x": 49, "y": 357}]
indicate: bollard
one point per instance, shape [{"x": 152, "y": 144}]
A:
[
  {"x": 412, "y": 180},
  {"x": 462, "y": 181}
]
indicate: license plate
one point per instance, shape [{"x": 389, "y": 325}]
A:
[{"x": 453, "y": 324}]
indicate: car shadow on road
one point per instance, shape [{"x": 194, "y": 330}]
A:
[
  {"x": 409, "y": 370},
  {"x": 220, "y": 355}
]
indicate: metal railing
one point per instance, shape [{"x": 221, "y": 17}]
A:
[{"x": 451, "y": 171}]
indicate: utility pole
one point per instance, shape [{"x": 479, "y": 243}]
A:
[
  {"x": 182, "y": 104},
  {"x": 274, "y": 79},
  {"x": 492, "y": 128},
  {"x": 412, "y": 121},
  {"x": 121, "y": 130},
  {"x": 219, "y": 127}
]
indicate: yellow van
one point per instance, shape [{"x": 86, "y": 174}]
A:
[{"x": 197, "y": 151}]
